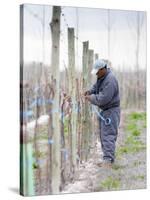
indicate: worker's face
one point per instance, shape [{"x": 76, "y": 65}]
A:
[{"x": 101, "y": 72}]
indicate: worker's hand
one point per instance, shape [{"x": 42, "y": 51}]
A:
[
  {"x": 86, "y": 93},
  {"x": 88, "y": 97}
]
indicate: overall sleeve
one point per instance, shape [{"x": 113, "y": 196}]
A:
[{"x": 104, "y": 96}]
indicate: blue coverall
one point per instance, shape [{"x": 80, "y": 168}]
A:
[{"x": 105, "y": 94}]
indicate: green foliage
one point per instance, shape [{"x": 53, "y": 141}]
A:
[
  {"x": 35, "y": 165},
  {"x": 132, "y": 127},
  {"x": 134, "y": 122},
  {"x": 132, "y": 143},
  {"x": 132, "y": 140},
  {"x": 111, "y": 183},
  {"x": 137, "y": 116},
  {"x": 136, "y": 132},
  {"x": 121, "y": 150}
]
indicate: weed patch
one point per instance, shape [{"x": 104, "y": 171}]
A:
[{"x": 111, "y": 183}]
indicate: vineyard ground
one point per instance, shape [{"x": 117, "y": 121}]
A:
[{"x": 128, "y": 171}]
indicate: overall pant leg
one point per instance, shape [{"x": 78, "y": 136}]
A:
[{"x": 108, "y": 133}]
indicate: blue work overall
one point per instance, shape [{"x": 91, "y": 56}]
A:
[
  {"x": 109, "y": 132},
  {"x": 105, "y": 95}
]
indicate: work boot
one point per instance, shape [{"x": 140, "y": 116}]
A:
[{"x": 105, "y": 164}]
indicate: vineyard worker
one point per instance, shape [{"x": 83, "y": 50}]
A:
[{"x": 105, "y": 95}]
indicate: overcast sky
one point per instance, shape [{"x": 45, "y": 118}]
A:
[{"x": 89, "y": 24}]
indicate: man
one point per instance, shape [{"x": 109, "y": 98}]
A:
[{"x": 105, "y": 95}]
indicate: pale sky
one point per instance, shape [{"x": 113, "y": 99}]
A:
[{"x": 89, "y": 24}]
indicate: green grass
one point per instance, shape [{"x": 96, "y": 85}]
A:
[
  {"x": 137, "y": 116},
  {"x": 131, "y": 126},
  {"x": 131, "y": 140},
  {"x": 133, "y": 129},
  {"x": 131, "y": 146},
  {"x": 136, "y": 132},
  {"x": 134, "y": 122},
  {"x": 110, "y": 183}
]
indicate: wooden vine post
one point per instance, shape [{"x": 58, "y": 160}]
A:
[
  {"x": 56, "y": 136},
  {"x": 72, "y": 93}
]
